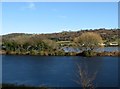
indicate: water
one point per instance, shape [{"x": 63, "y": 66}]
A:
[
  {"x": 58, "y": 71},
  {"x": 107, "y": 49}
]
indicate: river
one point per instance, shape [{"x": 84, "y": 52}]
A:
[{"x": 58, "y": 71}]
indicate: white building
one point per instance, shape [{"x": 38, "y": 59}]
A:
[{"x": 113, "y": 43}]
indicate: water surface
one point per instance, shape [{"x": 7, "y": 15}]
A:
[
  {"x": 107, "y": 49},
  {"x": 58, "y": 71}
]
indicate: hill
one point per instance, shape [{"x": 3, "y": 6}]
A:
[{"x": 108, "y": 35}]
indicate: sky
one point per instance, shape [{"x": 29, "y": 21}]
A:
[{"x": 51, "y": 17}]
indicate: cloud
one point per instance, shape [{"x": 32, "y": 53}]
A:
[
  {"x": 31, "y": 6},
  {"x": 70, "y": 29}
]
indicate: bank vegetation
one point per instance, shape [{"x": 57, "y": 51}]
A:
[{"x": 52, "y": 44}]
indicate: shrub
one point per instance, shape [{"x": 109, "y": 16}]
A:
[{"x": 88, "y": 53}]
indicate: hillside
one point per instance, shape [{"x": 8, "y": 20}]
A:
[{"x": 108, "y": 35}]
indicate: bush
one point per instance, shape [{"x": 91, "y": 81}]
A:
[
  {"x": 8, "y": 52},
  {"x": 88, "y": 53},
  {"x": 33, "y": 52},
  {"x": 88, "y": 41}
]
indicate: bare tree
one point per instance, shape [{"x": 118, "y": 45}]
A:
[{"x": 85, "y": 79}]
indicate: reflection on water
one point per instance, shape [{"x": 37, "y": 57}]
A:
[
  {"x": 87, "y": 71},
  {"x": 58, "y": 71},
  {"x": 108, "y": 49}
]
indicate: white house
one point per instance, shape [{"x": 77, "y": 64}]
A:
[
  {"x": 102, "y": 44},
  {"x": 113, "y": 43}
]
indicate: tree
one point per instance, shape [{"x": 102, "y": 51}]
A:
[
  {"x": 88, "y": 41},
  {"x": 51, "y": 44},
  {"x": 85, "y": 77},
  {"x": 118, "y": 40}
]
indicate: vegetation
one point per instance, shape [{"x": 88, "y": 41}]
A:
[
  {"x": 88, "y": 53},
  {"x": 29, "y": 45},
  {"x": 108, "y": 35},
  {"x": 53, "y": 44},
  {"x": 88, "y": 42}
]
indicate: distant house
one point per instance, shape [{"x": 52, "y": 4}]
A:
[
  {"x": 102, "y": 44},
  {"x": 103, "y": 33},
  {"x": 113, "y": 43}
]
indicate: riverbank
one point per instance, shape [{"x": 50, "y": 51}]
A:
[
  {"x": 59, "y": 53},
  {"x": 14, "y": 86}
]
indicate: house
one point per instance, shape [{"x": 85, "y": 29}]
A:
[
  {"x": 113, "y": 43},
  {"x": 102, "y": 44}
]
